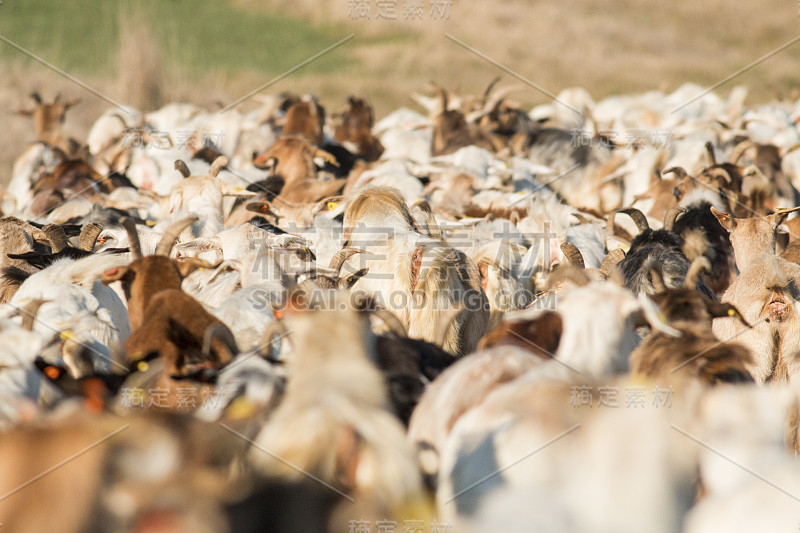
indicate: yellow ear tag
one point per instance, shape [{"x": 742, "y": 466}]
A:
[
  {"x": 332, "y": 206},
  {"x": 240, "y": 408},
  {"x": 66, "y": 335},
  {"x": 731, "y": 312},
  {"x": 149, "y": 223},
  {"x": 142, "y": 366}
]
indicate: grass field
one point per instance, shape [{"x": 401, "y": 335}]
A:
[{"x": 213, "y": 51}]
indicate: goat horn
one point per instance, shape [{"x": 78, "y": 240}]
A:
[
  {"x": 710, "y": 151},
  {"x": 29, "y": 313},
  {"x": 89, "y": 234},
  {"x": 221, "y": 332},
  {"x": 391, "y": 321},
  {"x": 610, "y": 222},
  {"x": 611, "y": 260},
  {"x": 218, "y": 164},
  {"x": 57, "y": 237},
  {"x": 637, "y": 216},
  {"x": 783, "y": 211},
  {"x": 180, "y": 166},
  {"x": 740, "y": 149},
  {"x": 718, "y": 172},
  {"x": 36, "y": 97},
  {"x": 699, "y": 265},
  {"x": 678, "y": 171},
  {"x": 573, "y": 255},
  {"x": 489, "y": 87},
  {"x": 672, "y": 215},
  {"x": 442, "y": 93},
  {"x": 567, "y": 273},
  {"x": 500, "y": 95},
  {"x": 168, "y": 240},
  {"x": 343, "y": 255},
  {"x": 133, "y": 238}
]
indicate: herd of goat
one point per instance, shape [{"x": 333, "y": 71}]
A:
[{"x": 480, "y": 318}]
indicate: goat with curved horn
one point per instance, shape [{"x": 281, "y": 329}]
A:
[
  {"x": 573, "y": 255},
  {"x": 56, "y": 236},
  {"x": 719, "y": 172},
  {"x": 391, "y": 321},
  {"x": 343, "y": 255},
  {"x": 181, "y": 167},
  {"x": 786, "y": 211},
  {"x": 218, "y": 164},
  {"x": 168, "y": 240},
  {"x": 88, "y": 237},
  {"x": 740, "y": 149},
  {"x": 672, "y": 215},
  {"x": 567, "y": 273},
  {"x": 637, "y": 216},
  {"x": 221, "y": 332},
  {"x": 697, "y": 267},
  {"x": 29, "y": 313},
  {"x": 133, "y": 238},
  {"x": 680, "y": 172},
  {"x": 611, "y": 260}
]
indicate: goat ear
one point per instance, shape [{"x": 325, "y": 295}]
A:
[
  {"x": 779, "y": 216},
  {"x": 231, "y": 190},
  {"x": 71, "y": 103},
  {"x": 113, "y": 274},
  {"x": 727, "y": 221},
  {"x": 351, "y": 280},
  {"x": 190, "y": 264},
  {"x": 347, "y": 456}
]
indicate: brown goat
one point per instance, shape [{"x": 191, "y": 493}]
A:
[
  {"x": 751, "y": 238},
  {"x": 292, "y": 158},
  {"x": 163, "y": 318},
  {"x": 305, "y": 119},
  {"x": 451, "y": 130},
  {"x": 696, "y": 353},
  {"x": 355, "y": 130},
  {"x": 47, "y": 118}
]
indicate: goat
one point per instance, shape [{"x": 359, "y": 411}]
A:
[
  {"x": 449, "y": 397},
  {"x": 692, "y": 350},
  {"x": 754, "y": 237},
  {"x": 305, "y": 119},
  {"x": 431, "y": 277},
  {"x": 451, "y": 130},
  {"x": 333, "y": 421},
  {"x": 292, "y": 158},
  {"x": 163, "y": 318},
  {"x": 354, "y": 130},
  {"x": 47, "y": 118},
  {"x": 766, "y": 292},
  {"x": 202, "y": 195},
  {"x": 652, "y": 246}
]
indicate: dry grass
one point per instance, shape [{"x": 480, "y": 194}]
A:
[
  {"x": 608, "y": 47},
  {"x": 140, "y": 66}
]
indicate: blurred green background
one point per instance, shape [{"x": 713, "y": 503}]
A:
[{"x": 211, "y": 52}]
